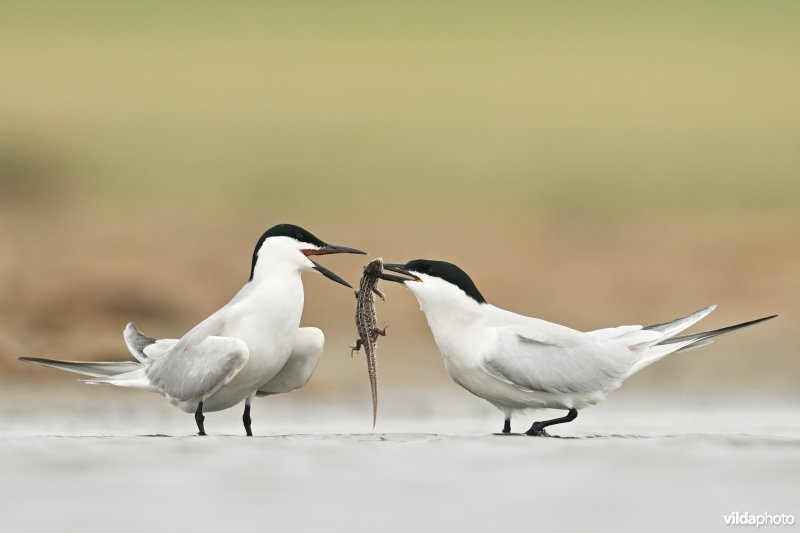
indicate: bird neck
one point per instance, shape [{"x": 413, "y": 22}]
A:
[
  {"x": 274, "y": 283},
  {"x": 451, "y": 314},
  {"x": 279, "y": 267},
  {"x": 455, "y": 327}
]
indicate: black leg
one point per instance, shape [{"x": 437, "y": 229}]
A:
[
  {"x": 507, "y": 426},
  {"x": 537, "y": 429},
  {"x": 246, "y": 420},
  {"x": 199, "y": 418}
]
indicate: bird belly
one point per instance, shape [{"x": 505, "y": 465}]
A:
[
  {"x": 270, "y": 346},
  {"x": 261, "y": 367}
]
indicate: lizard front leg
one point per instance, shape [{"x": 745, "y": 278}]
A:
[
  {"x": 379, "y": 293},
  {"x": 378, "y": 332}
]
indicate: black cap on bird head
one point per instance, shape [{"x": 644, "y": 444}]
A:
[
  {"x": 299, "y": 234},
  {"x": 437, "y": 269}
]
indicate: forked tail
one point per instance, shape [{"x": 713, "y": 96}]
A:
[{"x": 672, "y": 344}]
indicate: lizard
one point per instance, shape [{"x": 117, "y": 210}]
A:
[{"x": 367, "y": 323}]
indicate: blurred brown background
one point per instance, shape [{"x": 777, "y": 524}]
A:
[{"x": 591, "y": 165}]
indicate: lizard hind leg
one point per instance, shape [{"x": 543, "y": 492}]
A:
[{"x": 356, "y": 348}]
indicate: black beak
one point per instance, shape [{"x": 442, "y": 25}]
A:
[
  {"x": 330, "y": 275},
  {"x": 333, "y": 249},
  {"x": 400, "y": 269}
]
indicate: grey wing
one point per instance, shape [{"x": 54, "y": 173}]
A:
[
  {"x": 136, "y": 341},
  {"x": 143, "y": 347},
  {"x": 159, "y": 348},
  {"x": 87, "y": 368},
  {"x": 300, "y": 365},
  {"x": 192, "y": 371},
  {"x": 556, "y": 361}
]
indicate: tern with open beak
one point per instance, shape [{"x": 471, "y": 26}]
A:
[{"x": 240, "y": 349}]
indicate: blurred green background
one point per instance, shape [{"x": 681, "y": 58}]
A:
[{"x": 594, "y": 164}]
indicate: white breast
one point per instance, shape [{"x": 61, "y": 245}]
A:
[{"x": 267, "y": 320}]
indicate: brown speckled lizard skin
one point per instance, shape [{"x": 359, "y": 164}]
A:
[{"x": 367, "y": 324}]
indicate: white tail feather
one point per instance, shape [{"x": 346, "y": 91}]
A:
[
  {"x": 673, "y": 327},
  {"x": 136, "y": 379},
  {"x": 685, "y": 343}
]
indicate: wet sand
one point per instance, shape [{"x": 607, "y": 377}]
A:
[{"x": 129, "y": 463}]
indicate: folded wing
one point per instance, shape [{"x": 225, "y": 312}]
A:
[
  {"x": 194, "y": 371},
  {"x": 558, "y": 360},
  {"x": 300, "y": 366}
]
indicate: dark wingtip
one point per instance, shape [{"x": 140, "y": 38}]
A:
[
  {"x": 746, "y": 324},
  {"x": 699, "y": 337}
]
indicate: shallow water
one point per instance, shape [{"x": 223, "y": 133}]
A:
[{"x": 131, "y": 464}]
